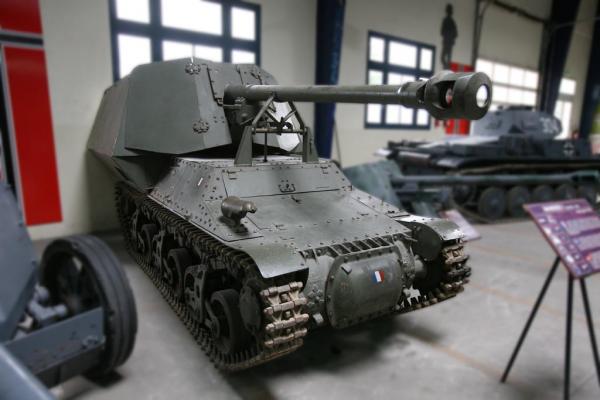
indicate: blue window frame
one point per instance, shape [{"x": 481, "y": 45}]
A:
[
  {"x": 155, "y": 30},
  {"x": 392, "y": 60}
]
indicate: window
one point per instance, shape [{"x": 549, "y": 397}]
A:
[
  {"x": 154, "y": 30},
  {"x": 513, "y": 86},
  {"x": 564, "y": 105},
  {"x": 394, "y": 61}
]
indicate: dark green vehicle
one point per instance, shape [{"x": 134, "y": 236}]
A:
[{"x": 250, "y": 237}]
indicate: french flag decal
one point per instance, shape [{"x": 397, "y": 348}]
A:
[{"x": 378, "y": 276}]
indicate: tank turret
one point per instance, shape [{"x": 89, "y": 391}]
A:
[{"x": 250, "y": 236}]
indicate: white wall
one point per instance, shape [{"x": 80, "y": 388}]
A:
[
  {"x": 76, "y": 40},
  {"x": 511, "y": 38},
  {"x": 77, "y": 44}
]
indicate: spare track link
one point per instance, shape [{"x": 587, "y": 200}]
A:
[
  {"x": 456, "y": 274},
  {"x": 283, "y": 322}
]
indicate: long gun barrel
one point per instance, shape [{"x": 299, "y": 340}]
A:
[{"x": 446, "y": 95}]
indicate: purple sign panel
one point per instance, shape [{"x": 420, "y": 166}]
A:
[{"x": 572, "y": 228}]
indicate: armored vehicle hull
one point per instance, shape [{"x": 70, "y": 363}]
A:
[
  {"x": 252, "y": 252},
  {"x": 511, "y": 159}
]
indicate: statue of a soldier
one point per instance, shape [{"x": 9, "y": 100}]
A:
[{"x": 449, "y": 35}]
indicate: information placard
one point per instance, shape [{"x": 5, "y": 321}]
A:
[{"x": 572, "y": 228}]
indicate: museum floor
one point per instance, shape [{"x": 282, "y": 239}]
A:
[{"x": 455, "y": 350}]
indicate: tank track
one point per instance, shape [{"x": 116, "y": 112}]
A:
[
  {"x": 455, "y": 275},
  {"x": 284, "y": 320}
]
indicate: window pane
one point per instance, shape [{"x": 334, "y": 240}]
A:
[
  {"x": 133, "y": 51},
  {"x": 374, "y": 113},
  {"x": 399, "y": 79},
  {"x": 243, "y": 23},
  {"x": 531, "y": 79},
  {"x": 192, "y": 15},
  {"x": 517, "y": 75},
  {"x": 558, "y": 109},
  {"x": 567, "y": 86},
  {"x": 515, "y": 96},
  {"x": 133, "y": 10},
  {"x": 500, "y": 94},
  {"x": 566, "y": 118},
  {"x": 422, "y": 118},
  {"x": 529, "y": 98},
  {"x": 242, "y": 57},
  {"x": 376, "y": 46},
  {"x": 485, "y": 66},
  {"x": 375, "y": 77},
  {"x": 175, "y": 50},
  {"x": 211, "y": 53},
  {"x": 426, "y": 59},
  {"x": 500, "y": 73},
  {"x": 395, "y": 114},
  {"x": 406, "y": 115},
  {"x": 402, "y": 54},
  {"x": 392, "y": 114}
]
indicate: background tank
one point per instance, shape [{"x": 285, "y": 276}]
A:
[
  {"x": 511, "y": 158},
  {"x": 250, "y": 236}
]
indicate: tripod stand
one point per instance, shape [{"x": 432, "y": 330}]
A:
[{"x": 568, "y": 339}]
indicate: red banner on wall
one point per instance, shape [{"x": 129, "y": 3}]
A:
[
  {"x": 21, "y": 16},
  {"x": 34, "y": 140}
]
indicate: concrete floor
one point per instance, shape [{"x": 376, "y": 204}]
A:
[{"x": 454, "y": 350}]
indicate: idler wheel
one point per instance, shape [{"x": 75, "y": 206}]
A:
[
  {"x": 173, "y": 272},
  {"x": 542, "y": 193},
  {"x": 565, "y": 191},
  {"x": 148, "y": 232},
  {"x": 492, "y": 203},
  {"x": 516, "y": 197},
  {"x": 588, "y": 192},
  {"x": 227, "y": 326}
]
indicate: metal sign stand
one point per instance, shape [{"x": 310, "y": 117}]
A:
[{"x": 590, "y": 324}]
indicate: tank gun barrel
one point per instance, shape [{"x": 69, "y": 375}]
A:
[{"x": 446, "y": 95}]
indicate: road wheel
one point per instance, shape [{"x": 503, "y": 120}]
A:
[
  {"x": 542, "y": 193},
  {"x": 227, "y": 325},
  {"x": 516, "y": 197},
  {"x": 565, "y": 191},
  {"x": 492, "y": 203},
  {"x": 588, "y": 192}
]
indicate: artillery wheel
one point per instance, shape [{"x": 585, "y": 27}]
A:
[
  {"x": 542, "y": 193},
  {"x": 492, "y": 203},
  {"x": 516, "y": 197},
  {"x": 83, "y": 273},
  {"x": 588, "y": 192},
  {"x": 565, "y": 191},
  {"x": 227, "y": 326}
]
